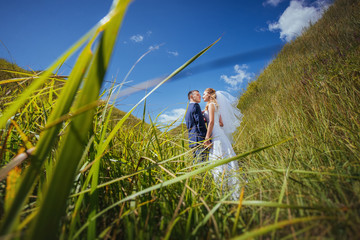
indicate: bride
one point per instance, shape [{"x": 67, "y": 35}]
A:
[{"x": 223, "y": 117}]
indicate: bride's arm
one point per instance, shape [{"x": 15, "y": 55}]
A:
[
  {"x": 221, "y": 122},
  {"x": 210, "y": 124}
]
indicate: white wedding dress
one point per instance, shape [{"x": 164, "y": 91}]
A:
[{"x": 227, "y": 175}]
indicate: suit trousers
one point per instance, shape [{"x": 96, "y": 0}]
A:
[{"x": 200, "y": 154}]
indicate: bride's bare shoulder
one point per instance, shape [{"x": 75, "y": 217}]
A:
[{"x": 213, "y": 106}]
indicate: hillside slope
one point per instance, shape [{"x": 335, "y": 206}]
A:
[
  {"x": 9, "y": 71},
  {"x": 10, "y": 90},
  {"x": 310, "y": 92}
]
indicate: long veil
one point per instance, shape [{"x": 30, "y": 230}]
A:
[{"x": 230, "y": 114}]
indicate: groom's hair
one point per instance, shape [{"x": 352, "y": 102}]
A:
[{"x": 191, "y": 92}]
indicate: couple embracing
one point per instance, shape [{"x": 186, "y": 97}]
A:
[{"x": 222, "y": 117}]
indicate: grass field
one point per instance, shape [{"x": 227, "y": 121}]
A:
[{"x": 75, "y": 167}]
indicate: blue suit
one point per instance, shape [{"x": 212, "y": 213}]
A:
[{"x": 195, "y": 124}]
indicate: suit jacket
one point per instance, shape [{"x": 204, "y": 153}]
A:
[{"x": 195, "y": 124}]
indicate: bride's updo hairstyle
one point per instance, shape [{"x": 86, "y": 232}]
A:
[{"x": 212, "y": 94}]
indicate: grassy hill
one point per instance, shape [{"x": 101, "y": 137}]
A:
[
  {"x": 310, "y": 92},
  {"x": 21, "y": 78},
  {"x": 9, "y": 90},
  {"x": 179, "y": 130},
  {"x": 5, "y": 65}
]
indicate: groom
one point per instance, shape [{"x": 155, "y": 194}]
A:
[{"x": 196, "y": 126}]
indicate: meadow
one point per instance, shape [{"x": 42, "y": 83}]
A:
[{"x": 75, "y": 167}]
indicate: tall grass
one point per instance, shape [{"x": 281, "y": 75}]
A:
[
  {"x": 310, "y": 91},
  {"x": 73, "y": 171}
]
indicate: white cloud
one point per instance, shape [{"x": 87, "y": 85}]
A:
[
  {"x": 236, "y": 80},
  {"x": 297, "y": 17},
  {"x": 175, "y": 114},
  {"x": 272, "y": 2},
  {"x": 137, "y": 38},
  {"x": 262, "y": 29},
  {"x": 156, "y": 47},
  {"x": 175, "y": 53}
]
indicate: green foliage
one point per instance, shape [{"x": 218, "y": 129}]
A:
[{"x": 310, "y": 91}]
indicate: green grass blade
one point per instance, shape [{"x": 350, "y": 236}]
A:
[
  {"x": 238, "y": 211},
  {"x": 258, "y": 203},
  {"x": 281, "y": 196},
  {"x": 53, "y": 205},
  {"x": 263, "y": 230},
  {"x": 44, "y": 145},
  {"x": 207, "y": 217}
]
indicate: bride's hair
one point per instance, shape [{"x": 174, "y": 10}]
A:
[{"x": 212, "y": 94}]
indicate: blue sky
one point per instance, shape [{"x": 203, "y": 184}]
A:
[{"x": 34, "y": 33}]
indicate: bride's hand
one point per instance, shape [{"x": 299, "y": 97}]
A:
[{"x": 208, "y": 144}]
